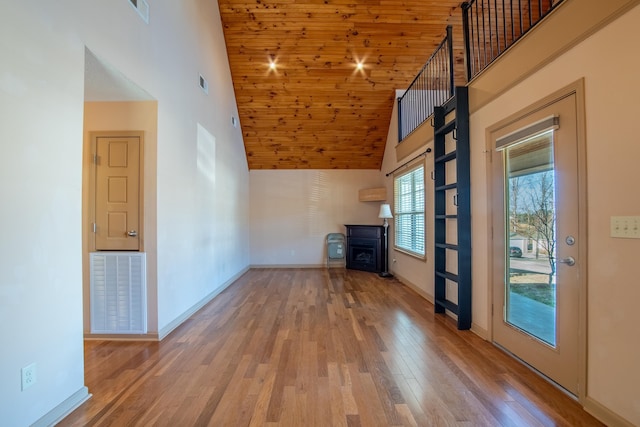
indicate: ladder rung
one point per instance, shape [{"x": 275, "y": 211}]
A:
[
  {"x": 450, "y": 105},
  {"x": 446, "y": 216},
  {"x": 446, "y": 158},
  {"x": 447, "y": 246},
  {"x": 447, "y": 187},
  {"x": 447, "y": 275},
  {"x": 451, "y": 306},
  {"x": 448, "y": 127}
]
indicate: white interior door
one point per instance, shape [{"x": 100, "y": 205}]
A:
[{"x": 117, "y": 193}]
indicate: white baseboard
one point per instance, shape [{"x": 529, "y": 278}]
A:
[
  {"x": 604, "y": 414},
  {"x": 414, "y": 287},
  {"x": 56, "y": 415},
  {"x": 481, "y": 332},
  {"x": 290, "y": 266},
  {"x": 191, "y": 311},
  {"x": 121, "y": 337}
]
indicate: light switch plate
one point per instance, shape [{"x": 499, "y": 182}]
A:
[{"x": 626, "y": 227}]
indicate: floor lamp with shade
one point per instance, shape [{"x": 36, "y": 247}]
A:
[{"x": 385, "y": 213}]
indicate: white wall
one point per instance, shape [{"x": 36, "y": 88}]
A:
[
  {"x": 202, "y": 196},
  {"x": 41, "y": 98},
  {"x": 292, "y": 211},
  {"x": 202, "y": 207},
  {"x": 414, "y": 272},
  {"x": 608, "y": 63}
]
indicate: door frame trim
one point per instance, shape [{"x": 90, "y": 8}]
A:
[
  {"x": 576, "y": 88},
  {"x": 93, "y": 138}
]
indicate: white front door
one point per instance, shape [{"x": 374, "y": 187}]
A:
[{"x": 538, "y": 239}]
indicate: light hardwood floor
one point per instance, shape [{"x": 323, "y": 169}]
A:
[{"x": 316, "y": 347}]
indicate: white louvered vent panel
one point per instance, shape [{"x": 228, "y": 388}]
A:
[{"x": 118, "y": 293}]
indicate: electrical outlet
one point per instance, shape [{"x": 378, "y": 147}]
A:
[{"x": 28, "y": 376}]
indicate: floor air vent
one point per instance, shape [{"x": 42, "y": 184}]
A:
[{"x": 118, "y": 293}]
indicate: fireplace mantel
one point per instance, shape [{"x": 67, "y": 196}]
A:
[{"x": 365, "y": 247}]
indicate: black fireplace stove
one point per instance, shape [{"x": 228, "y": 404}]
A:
[{"x": 365, "y": 247}]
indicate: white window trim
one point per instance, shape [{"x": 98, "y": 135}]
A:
[{"x": 396, "y": 177}]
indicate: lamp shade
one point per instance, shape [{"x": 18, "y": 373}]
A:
[{"x": 385, "y": 211}]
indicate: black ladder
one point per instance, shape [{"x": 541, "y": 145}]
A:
[{"x": 452, "y": 235}]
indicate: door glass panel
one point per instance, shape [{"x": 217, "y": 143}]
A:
[{"x": 530, "y": 293}]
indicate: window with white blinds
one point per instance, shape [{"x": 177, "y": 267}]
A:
[{"x": 409, "y": 208}]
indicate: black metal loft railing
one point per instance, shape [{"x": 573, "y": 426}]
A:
[
  {"x": 491, "y": 26},
  {"x": 432, "y": 87}
]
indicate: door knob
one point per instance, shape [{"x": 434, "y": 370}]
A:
[
  {"x": 132, "y": 233},
  {"x": 569, "y": 261}
]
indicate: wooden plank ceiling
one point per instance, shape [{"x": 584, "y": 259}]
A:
[{"x": 316, "y": 110}]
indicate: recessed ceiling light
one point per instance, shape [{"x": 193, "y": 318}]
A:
[
  {"x": 272, "y": 64},
  {"x": 359, "y": 66}
]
